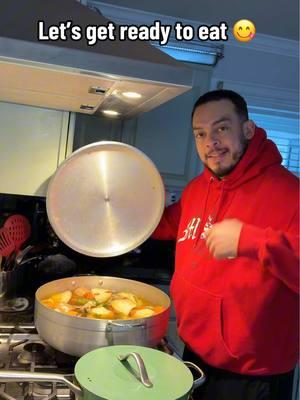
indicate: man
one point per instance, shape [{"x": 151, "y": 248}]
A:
[{"x": 236, "y": 275}]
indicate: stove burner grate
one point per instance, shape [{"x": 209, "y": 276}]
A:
[
  {"x": 22, "y": 349},
  {"x": 34, "y": 352},
  {"x": 14, "y": 305}
]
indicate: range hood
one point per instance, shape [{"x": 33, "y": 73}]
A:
[{"x": 71, "y": 75}]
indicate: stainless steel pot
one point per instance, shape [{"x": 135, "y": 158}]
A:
[{"x": 77, "y": 335}]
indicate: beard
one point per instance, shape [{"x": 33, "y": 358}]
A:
[{"x": 222, "y": 170}]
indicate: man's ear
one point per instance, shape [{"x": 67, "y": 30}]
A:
[{"x": 248, "y": 129}]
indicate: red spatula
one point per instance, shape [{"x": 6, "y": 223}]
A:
[
  {"x": 19, "y": 229},
  {"x": 7, "y": 245}
]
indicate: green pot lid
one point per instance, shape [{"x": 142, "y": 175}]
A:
[{"x": 100, "y": 373}]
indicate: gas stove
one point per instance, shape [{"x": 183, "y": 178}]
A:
[{"x": 22, "y": 349}]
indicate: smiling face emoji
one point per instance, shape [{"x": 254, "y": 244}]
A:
[{"x": 244, "y": 30}]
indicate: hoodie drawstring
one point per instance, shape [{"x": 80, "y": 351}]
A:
[
  {"x": 211, "y": 179},
  {"x": 218, "y": 206},
  {"x": 212, "y": 216}
]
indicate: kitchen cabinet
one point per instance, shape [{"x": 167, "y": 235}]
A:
[
  {"x": 90, "y": 129},
  {"x": 163, "y": 134},
  {"x": 33, "y": 142}
]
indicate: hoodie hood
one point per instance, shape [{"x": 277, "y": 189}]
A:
[{"x": 260, "y": 154}]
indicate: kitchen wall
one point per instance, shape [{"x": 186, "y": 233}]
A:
[
  {"x": 267, "y": 63},
  {"x": 266, "y": 72}
]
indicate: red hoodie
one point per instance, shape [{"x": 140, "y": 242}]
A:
[{"x": 239, "y": 314}]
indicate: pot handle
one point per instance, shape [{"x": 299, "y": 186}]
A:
[
  {"x": 143, "y": 375},
  {"x": 131, "y": 325},
  {"x": 23, "y": 376},
  {"x": 199, "y": 381}
]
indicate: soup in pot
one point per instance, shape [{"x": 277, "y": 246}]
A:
[{"x": 102, "y": 304}]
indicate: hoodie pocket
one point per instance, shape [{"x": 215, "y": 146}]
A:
[{"x": 200, "y": 321}]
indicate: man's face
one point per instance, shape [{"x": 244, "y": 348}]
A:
[{"x": 221, "y": 136}]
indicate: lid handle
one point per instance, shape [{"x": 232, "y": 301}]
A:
[{"x": 142, "y": 376}]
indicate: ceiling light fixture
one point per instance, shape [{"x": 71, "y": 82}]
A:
[
  {"x": 132, "y": 95},
  {"x": 111, "y": 113}
]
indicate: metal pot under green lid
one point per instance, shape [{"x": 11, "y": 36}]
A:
[{"x": 102, "y": 375}]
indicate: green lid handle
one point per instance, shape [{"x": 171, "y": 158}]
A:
[
  {"x": 199, "y": 381},
  {"x": 142, "y": 376}
]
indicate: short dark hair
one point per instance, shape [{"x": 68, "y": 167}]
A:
[{"x": 223, "y": 94}]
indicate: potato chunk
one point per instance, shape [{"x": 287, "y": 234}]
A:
[
  {"x": 142, "y": 312},
  {"x": 101, "y": 295},
  {"x": 123, "y": 306},
  {"x": 80, "y": 291},
  {"x": 102, "y": 312},
  {"x": 63, "y": 297},
  {"x": 130, "y": 296}
]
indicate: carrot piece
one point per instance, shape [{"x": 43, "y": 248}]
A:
[
  {"x": 89, "y": 295},
  {"x": 72, "y": 312}
]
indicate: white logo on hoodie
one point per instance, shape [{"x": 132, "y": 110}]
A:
[{"x": 191, "y": 230}]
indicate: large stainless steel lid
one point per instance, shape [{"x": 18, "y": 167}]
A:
[{"x": 105, "y": 199}]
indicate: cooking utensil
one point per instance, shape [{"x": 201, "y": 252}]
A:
[
  {"x": 105, "y": 199},
  {"x": 19, "y": 229},
  {"x": 7, "y": 245},
  {"x": 124, "y": 372},
  {"x": 10, "y": 281},
  {"x": 22, "y": 253},
  {"x": 7, "y": 284},
  {"x": 77, "y": 336}
]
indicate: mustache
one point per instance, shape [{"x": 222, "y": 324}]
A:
[{"x": 215, "y": 151}]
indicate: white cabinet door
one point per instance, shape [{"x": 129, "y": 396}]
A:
[
  {"x": 33, "y": 141},
  {"x": 91, "y": 129}
]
